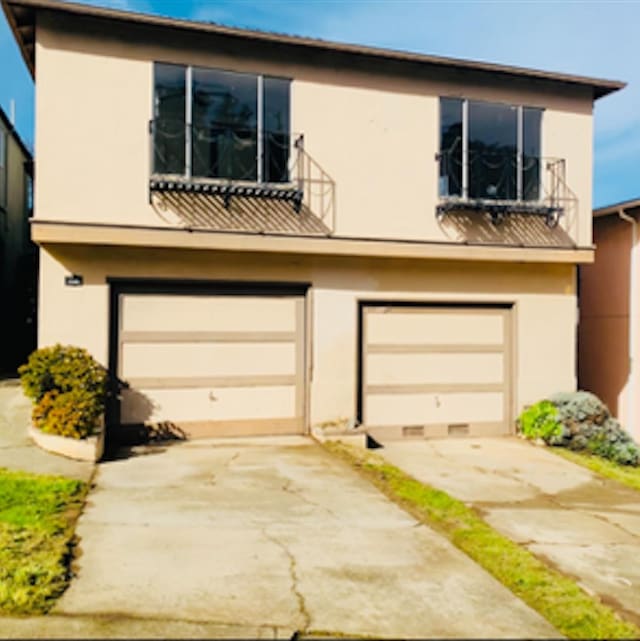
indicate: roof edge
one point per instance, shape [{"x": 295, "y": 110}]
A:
[
  {"x": 600, "y": 87},
  {"x": 608, "y": 210}
]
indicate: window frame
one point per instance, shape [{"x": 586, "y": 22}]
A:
[
  {"x": 464, "y": 187},
  {"x": 260, "y": 104}
]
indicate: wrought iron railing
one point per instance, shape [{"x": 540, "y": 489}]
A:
[
  {"x": 232, "y": 160},
  {"x": 222, "y": 151},
  {"x": 499, "y": 183}
]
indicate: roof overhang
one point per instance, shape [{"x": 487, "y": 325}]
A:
[
  {"x": 624, "y": 206},
  {"x": 51, "y": 232},
  {"x": 21, "y": 15}
]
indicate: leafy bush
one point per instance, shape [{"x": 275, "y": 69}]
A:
[
  {"x": 580, "y": 421},
  {"x": 68, "y": 388},
  {"x": 540, "y": 421}
]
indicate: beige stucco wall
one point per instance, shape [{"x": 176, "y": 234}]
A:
[
  {"x": 375, "y": 135},
  {"x": 543, "y": 295}
]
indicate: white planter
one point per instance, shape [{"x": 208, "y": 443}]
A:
[{"x": 85, "y": 449}]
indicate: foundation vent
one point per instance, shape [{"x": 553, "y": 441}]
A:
[
  {"x": 458, "y": 429},
  {"x": 413, "y": 430}
]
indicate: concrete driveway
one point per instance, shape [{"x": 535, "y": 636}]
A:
[
  {"x": 275, "y": 534},
  {"x": 587, "y": 526}
]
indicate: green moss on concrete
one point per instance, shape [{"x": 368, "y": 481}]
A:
[{"x": 557, "y": 598}]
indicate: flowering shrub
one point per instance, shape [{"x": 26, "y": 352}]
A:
[{"x": 68, "y": 388}]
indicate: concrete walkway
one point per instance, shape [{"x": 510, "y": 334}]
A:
[
  {"x": 272, "y": 535},
  {"x": 586, "y": 526},
  {"x": 17, "y": 451}
]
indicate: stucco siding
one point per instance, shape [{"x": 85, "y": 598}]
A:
[
  {"x": 375, "y": 134},
  {"x": 605, "y": 298},
  {"x": 543, "y": 296}
]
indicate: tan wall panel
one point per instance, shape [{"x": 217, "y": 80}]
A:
[
  {"x": 95, "y": 93},
  {"x": 207, "y": 313},
  {"x": 198, "y": 359},
  {"x": 208, "y": 404},
  {"x": 423, "y": 409},
  {"x": 434, "y": 326},
  {"x": 434, "y": 368},
  {"x": 543, "y": 296}
]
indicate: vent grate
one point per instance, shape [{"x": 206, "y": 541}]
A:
[
  {"x": 458, "y": 429},
  {"x": 413, "y": 430}
]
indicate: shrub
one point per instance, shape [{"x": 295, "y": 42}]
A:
[
  {"x": 68, "y": 388},
  {"x": 583, "y": 423},
  {"x": 541, "y": 421}
]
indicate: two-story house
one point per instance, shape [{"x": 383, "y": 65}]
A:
[
  {"x": 259, "y": 233},
  {"x": 18, "y": 255}
]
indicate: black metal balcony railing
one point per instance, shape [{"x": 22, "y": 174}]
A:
[
  {"x": 500, "y": 183},
  {"x": 230, "y": 160},
  {"x": 221, "y": 151}
]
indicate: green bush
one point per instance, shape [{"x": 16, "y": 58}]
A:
[
  {"x": 540, "y": 421},
  {"x": 68, "y": 388},
  {"x": 580, "y": 421}
]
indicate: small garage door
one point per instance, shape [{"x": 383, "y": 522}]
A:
[
  {"x": 436, "y": 370},
  {"x": 212, "y": 364}
]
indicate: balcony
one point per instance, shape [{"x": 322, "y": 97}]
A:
[
  {"x": 498, "y": 184},
  {"x": 238, "y": 179},
  {"x": 226, "y": 161}
]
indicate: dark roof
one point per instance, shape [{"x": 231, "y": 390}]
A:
[
  {"x": 21, "y": 17},
  {"x": 634, "y": 203},
  {"x": 14, "y": 133}
]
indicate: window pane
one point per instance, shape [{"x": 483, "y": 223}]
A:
[
  {"x": 225, "y": 140},
  {"x": 277, "y": 135},
  {"x": 450, "y": 147},
  {"x": 169, "y": 119},
  {"x": 493, "y": 144},
  {"x": 531, "y": 121}
]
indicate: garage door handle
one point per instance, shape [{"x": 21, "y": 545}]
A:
[{"x": 212, "y": 396}]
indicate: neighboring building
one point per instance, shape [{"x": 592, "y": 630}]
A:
[
  {"x": 18, "y": 255},
  {"x": 609, "y": 348},
  {"x": 259, "y": 233}
]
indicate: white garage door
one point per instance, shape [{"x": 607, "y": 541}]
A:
[
  {"x": 212, "y": 365},
  {"x": 436, "y": 370}
]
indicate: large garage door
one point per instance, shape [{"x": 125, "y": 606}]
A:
[
  {"x": 436, "y": 370},
  {"x": 212, "y": 364}
]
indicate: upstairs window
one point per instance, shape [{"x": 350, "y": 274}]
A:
[
  {"x": 210, "y": 123},
  {"x": 489, "y": 151}
]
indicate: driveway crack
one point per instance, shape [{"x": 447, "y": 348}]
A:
[
  {"x": 293, "y": 573},
  {"x": 286, "y": 487}
]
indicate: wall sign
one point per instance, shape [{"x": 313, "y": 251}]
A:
[{"x": 75, "y": 280}]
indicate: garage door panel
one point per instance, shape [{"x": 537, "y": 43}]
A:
[
  {"x": 426, "y": 409},
  {"x": 401, "y": 327},
  {"x": 202, "y": 404},
  {"x": 438, "y": 367},
  {"x": 392, "y": 368},
  {"x": 207, "y": 313},
  {"x": 202, "y": 359},
  {"x": 225, "y": 363}
]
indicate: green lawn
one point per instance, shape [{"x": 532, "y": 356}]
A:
[
  {"x": 622, "y": 473},
  {"x": 556, "y": 597},
  {"x": 37, "y": 520}
]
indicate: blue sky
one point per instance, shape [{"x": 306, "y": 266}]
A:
[{"x": 591, "y": 38}]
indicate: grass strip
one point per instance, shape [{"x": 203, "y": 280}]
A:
[
  {"x": 37, "y": 521},
  {"x": 626, "y": 474},
  {"x": 559, "y": 599}
]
